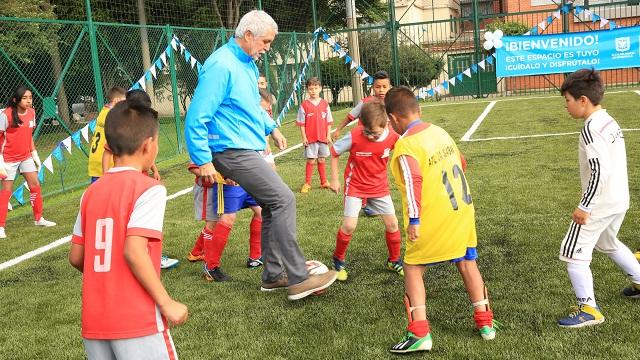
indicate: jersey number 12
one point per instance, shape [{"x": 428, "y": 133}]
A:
[{"x": 457, "y": 173}]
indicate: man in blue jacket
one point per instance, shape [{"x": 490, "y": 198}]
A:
[{"x": 226, "y": 127}]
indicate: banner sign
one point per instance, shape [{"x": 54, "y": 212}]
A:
[{"x": 564, "y": 53}]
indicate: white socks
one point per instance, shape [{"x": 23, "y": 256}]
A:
[
  {"x": 624, "y": 258},
  {"x": 582, "y": 281}
]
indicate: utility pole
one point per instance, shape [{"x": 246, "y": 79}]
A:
[
  {"x": 144, "y": 44},
  {"x": 354, "y": 49}
]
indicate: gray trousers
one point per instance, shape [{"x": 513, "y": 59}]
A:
[{"x": 280, "y": 250}]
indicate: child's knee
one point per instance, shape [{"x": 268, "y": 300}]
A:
[
  {"x": 391, "y": 223},
  {"x": 348, "y": 227},
  {"x": 228, "y": 219}
]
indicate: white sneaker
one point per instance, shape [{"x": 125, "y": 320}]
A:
[
  {"x": 167, "y": 262},
  {"x": 9, "y": 207},
  {"x": 2, "y": 234},
  {"x": 44, "y": 222}
]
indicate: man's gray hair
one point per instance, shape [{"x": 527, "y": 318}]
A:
[{"x": 257, "y": 22}]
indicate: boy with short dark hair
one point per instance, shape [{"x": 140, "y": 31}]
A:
[
  {"x": 314, "y": 120},
  {"x": 605, "y": 198},
  {"x": 438, "y": 215},
  {"x": 117, "y": 244},
  {"x": 365, "y": 176}
]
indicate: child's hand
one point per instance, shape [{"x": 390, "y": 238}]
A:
[
  {"x": 175, "y": 312},
  {"x": 305, "y": 142},
  {"x": 413, "y": 231},
  {"x": 335, "y": 186},
  {"x": 336, "y": 134},
  {"x": 580, "y": 217}
]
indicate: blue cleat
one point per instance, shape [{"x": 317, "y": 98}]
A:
[{"x": 583, "y": 315}]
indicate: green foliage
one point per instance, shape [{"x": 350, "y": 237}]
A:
[
  {"x": 335, "y": 76},
  {"x": 509, "y": 28},
  {"x": 24, "y": 41}
]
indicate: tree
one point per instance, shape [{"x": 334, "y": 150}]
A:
[
  {"x": 335, "y": 76},
  {"x": 509, "y": 28}
]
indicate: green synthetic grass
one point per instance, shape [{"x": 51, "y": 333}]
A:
[{"x": 524, "y": 192}]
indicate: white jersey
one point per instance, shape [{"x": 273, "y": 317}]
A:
[{"x": 603, "y": 166}]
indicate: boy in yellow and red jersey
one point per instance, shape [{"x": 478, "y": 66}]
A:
[{"x": 438, "y": 215}]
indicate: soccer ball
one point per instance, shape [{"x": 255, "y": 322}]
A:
[{"x": 315, "y": 267}]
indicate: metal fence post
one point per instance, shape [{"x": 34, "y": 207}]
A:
[
  {"x": 476, "y": 42},
  {"x": 174, "y": 87},
  {"x": 95, "y": 62},
  {"x": 393, "y": 28}
]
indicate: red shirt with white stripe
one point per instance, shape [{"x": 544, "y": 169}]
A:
[
  {"x": 124, "y": 202},
  {"x": 16, "y": 141},
  {"x": 355, "y": 112},
  {"x": 365, "y": 175},
  {"x": 316, "y": 119}
]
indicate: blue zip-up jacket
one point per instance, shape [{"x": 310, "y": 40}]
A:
[{"x": 225, "y": 111}]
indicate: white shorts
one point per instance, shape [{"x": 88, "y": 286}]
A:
[
  {"x": 379, "y": 206},
  {"x": 316, "y": 150},
  {"x": 600, "y": 233},
  {"x": 203, "y": 203},
  {"x": 157, "y": 346},
  {"x": 24, "y": 166}
]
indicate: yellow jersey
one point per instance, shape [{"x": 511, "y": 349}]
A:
[
  {"x": 442, "y": 203},
  {"x": 96, "y": 147}
]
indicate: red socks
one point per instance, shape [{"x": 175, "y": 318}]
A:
[
  {"x": 393, "y": 245},
  {"x": 419, "y": 328},
  {"x": 308, "y": 173},
  {"x": 198, "y": 247},
  {"x": 483, "y": 318},
  {"x": 5, "y": 195},
  {"x": 322, "y": 170},
  {"x": 214, "y": 247},
  {"x": 36, "y": 202},
  {"x": 342, "y": 242},
  {"x": 255, "y": 237}
]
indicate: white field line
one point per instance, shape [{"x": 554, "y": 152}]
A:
[
  {"x": 517, "y": 98},
  {"x": 536, "y": 136},
  {"x": 479, "y": 120},
  {"x": 66, "y": 239}
]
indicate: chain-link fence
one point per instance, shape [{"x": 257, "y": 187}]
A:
[{"x": 71, "y": 52}]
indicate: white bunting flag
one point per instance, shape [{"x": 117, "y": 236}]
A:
[
  {"x": 152, "y": 69},
  {"x": 163, "y": 57},
  {"x": 331, "y": 42},
  {"x": 143, "y": 84},
  {"x": 467, "y": 72},
  {"x": 353, "y": 65},
  {"x": 67, "y": 144},
  {"x": 481, "y": 64},
  {"x": 452, "y": 81},
  {"x": 364, "y": 75},
  {"x": 48, "y": 164},
  {"x": 174, "y": 45},
  {"x": 603, "y": 22},
  {"x": 85, "y": 133},
  {"x": 438, "y": 89},
  {"x": 587, "y": 14},
  {"x": 342, "y": 53},
  {"x": 543, "y": 24},
  {"x": 193, "y": 62},
  {"x": 556, "y": 14},
  {"x": 527, "y": 33}
]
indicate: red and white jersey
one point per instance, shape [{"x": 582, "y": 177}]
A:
[
  {"x": 365, "y": 175},
  {"x": 355, "y": 112},
  {"x": 124, "y": 202},
  {"x": 316, "y": 119},
  {"x": 603, "y": 166},
  {"x": 16, "y": 141}
]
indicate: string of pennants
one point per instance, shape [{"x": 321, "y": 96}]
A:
[
  {"x": 76, "y": 137},
  {"x": 339, "y": 50},
  {"x": 537, "y": 29}
]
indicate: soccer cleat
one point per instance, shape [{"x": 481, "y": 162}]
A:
[
  {"x": 305, "y": 188},
  {"x": 395, "y": 266},
  {"x": 485, "y": 323},
  {"x": 2, "y": 234},
  {"x": 280, "y": 284},
  {"x": 637, "y": 254},
  {"x": 44, "y": 222},
  {"x": 410, "y": 343},
  {"x": 341, "y": 271},
  {"x": 632, "y": 291},
  {"x": 325, "y": 185},
  {"x": 167, "y": 262},
  {"x": 254, "y": 263},
  {"x": 194, "y": 258},
  {"x": 214, "y": 274},
  {"x": 368, "y": 211},
  {"x": 582, "y": 315},
  {"x": 314, "y": 284}
]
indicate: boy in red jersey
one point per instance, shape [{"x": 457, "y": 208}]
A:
[
  {"x": 365, "y": 177},
  {"x": 117, "y": 244},
  {"x": 314, "y": 120}
]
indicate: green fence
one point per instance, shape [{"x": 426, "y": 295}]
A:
[{"x": 70, "y": 64}]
